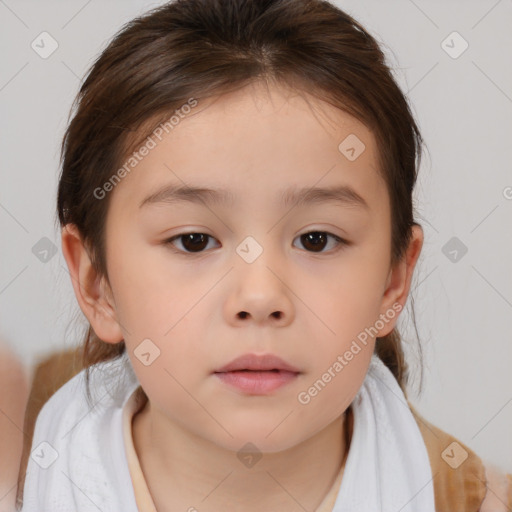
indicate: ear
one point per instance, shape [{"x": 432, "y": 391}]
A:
[
  {"x": 399, "y": 282},
  {"x": 92, "y": 292}
]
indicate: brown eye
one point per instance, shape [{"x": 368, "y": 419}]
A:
[
  {"x": 316, "y": 241},
  {"x": 191, "y": 242}
]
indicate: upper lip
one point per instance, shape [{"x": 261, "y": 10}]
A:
[{"x": 257, "y": 362}]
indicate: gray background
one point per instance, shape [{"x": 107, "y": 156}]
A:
[{"x": 464, "y": 109}]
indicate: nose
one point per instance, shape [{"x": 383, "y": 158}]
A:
[{"x": 259, "y": 294}]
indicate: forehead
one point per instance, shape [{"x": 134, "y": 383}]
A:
[{"x": 259, "y": 141}]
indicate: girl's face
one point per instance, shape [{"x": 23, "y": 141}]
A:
[{"x": 253, "y": 283}]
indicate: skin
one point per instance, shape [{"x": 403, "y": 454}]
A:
[
  {"x": 499, "y": 489},
  {"x": 255, "y": 142},
  {"x": 15, "y": 383}
]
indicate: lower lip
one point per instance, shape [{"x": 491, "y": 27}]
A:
[{"x": 256, "y": 382}]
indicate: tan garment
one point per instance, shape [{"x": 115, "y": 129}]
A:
[
  {"x": 460, "y": 488},
  {"x": 142, "y": 496}
]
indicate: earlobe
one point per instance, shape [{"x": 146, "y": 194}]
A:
[
  {"x": 399, "y": 281},
  {"x": 91, "y": 290}
]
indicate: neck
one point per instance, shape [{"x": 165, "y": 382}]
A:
[{"x": 183, "y": 470}]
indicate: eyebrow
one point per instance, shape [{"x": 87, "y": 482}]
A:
[{"x": 343, "y": 195}]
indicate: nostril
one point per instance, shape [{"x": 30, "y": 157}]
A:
[{"x": 242, "y": 314}]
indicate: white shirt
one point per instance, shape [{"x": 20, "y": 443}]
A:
[{"x": 78, "y": 460}]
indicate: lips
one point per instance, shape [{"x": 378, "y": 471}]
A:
[
  {"x": 259, "y": 363},
  {"x": 253, "y": 374}
]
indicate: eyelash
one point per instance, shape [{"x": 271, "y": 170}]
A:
[{"x": 340, "y": 241}]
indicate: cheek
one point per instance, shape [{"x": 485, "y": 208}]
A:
[
  {"x": 152, "y": 304},
  {"x": 327, "y": 394},
  {"x": 337, "y": 382},
  {"x": 346, "y": 308},
  {"x": 150, "y": 294},
  {"x": 170, "y": 361},
  {"x": 349, "y": 298}
]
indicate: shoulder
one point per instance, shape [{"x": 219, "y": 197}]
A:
[
  {"x": 498, "y": 497},
  {"x": 106, "y": 388},
  {"x": 76, "y": 439},
  {"x": 63, "y": 403},
  {"x": 51, "y": 443},
  {"x": 462, "y": 481}
]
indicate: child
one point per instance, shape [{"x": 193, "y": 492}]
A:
[{"x": 262, "y": 369}]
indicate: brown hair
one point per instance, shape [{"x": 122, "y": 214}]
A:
[{"x": 204, "y": 48}]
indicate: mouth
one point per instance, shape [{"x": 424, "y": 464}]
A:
[
  {"x": 257, "y": 382},
  {"x": 257, "y": 374},
  {"x": 258, "y": 363}
]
